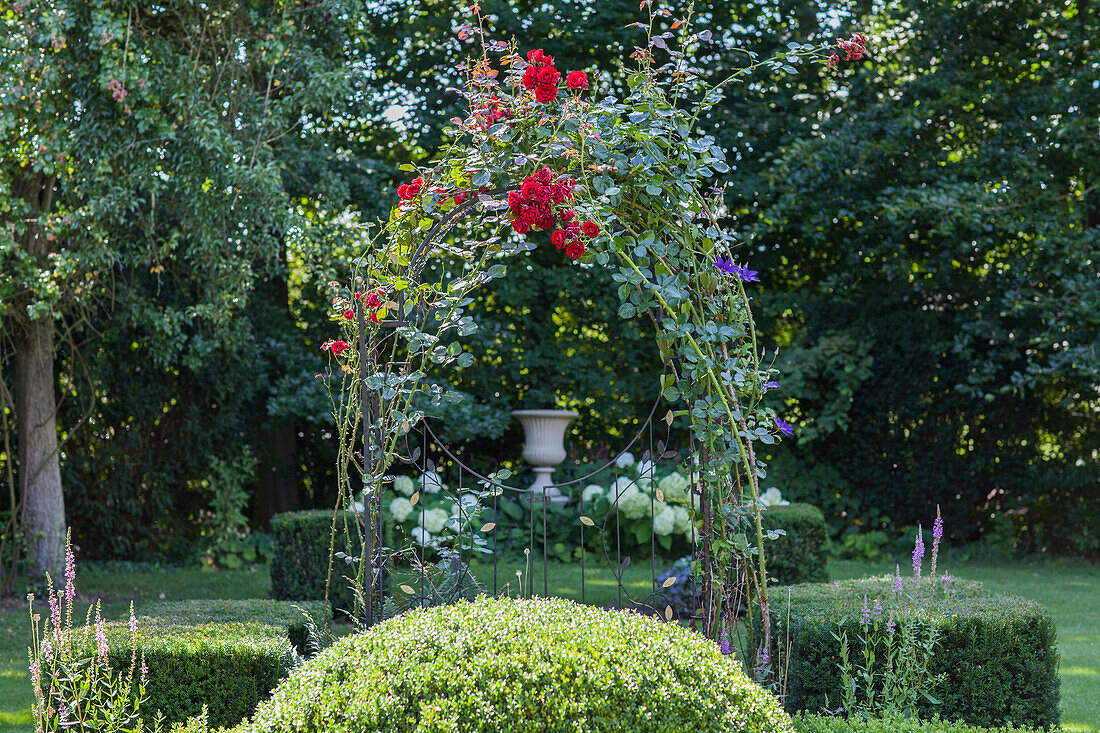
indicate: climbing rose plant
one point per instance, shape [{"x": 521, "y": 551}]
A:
[{"x": 543, "y": 159}]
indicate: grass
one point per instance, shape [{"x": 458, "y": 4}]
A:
[{"x": 1069, "y": 589}]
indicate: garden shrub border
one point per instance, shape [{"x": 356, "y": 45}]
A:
[
  {"x": 799, "y": 556},
  {"x": 300, "y": 558},
  {"x": 997, "y": 652}
]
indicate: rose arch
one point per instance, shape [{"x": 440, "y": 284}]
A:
[{"x": 628, "y": 184}]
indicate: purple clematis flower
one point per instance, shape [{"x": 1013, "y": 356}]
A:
[
  {"x": 743, "y": 273},
  {"x": 784, "y": 426},
  {"x": 770, "y": 385}
]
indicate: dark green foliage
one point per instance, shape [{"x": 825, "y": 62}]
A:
[
  {"x": 997, "y": 652},
  {"x": 545, "y": 665},
  {"x": 230, "y": 667},
  {"x": 819, "y": 724},
  {"x": 300, "y": 562},
  {"x": 928, "y": 243},
  {"x": 289, "y": 617},
  {"x": 799, "y": 555}
]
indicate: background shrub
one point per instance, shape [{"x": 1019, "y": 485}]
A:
[
  {"x": 997, "y": 652},
  {"x": 229, "y": 667},
  {"x": 798, "y": 556},
  {"x": 521, "y": 665},
  {"x": 287, "y": 617},
  {"x": 299, "y": 561},
  {"x": 819, "y": 724}
]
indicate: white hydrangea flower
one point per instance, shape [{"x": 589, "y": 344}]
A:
[
  {"x": 772, "y": 497},
  {"x": 664, "y": 522},
  {"x": 421, "y": 536},
  {"x": 434, "y": 520},
  {"x": 404, "y": 485},
  {"x": 634, "y": 504},
  {"x": 674, "y": 486},
  {"x": 591, "y": 493},
  {"x": 683, "y": 519},
  {"x": 646, "y": 469},
  {"x": 691, "y": 534},
  {"x": 400, "y": 509},
  {"x": 431, "y": 482},
  {"x": 624, "y": 460},
  {"x": 621, "y": 485}
]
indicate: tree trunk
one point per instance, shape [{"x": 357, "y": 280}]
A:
[
  {"x": 43, "y": 514},
  {"x": 39, "y": 464}
]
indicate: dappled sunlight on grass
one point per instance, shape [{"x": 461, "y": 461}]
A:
[
  {"x": 21, "y": 717},
  {"x": 1078, "y": 672}
]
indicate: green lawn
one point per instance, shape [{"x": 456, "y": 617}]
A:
[{"x": 1070, "y": 590}]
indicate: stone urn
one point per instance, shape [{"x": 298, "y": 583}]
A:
[{"x": 544, "y": 448}]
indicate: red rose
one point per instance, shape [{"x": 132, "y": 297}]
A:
[
  {"x": 535, "y": 56},
  {"x": 576, "y": 80},
  {"x": 549, "y": 75},
  {"x": 403, "y": 192},
  {"x": 546, "y": 220},
  {"x": 544, "y": 176},
  {"x": 515, "y": 201},
  {"x": 520, "y": 226},
  {"x": 338, "y": 347},
  {"x": 373, "y": 316},
  {"x": 460, "y": 198},
  {"x": 590, "y": 229},
  {"x": 558, "y": 238},
  {"x": 531, "y": 216},
  {"x": 545, "y": 195},
  {"x": 572, "y": 229},
  {"x": 415, "y": 185},
  {"x": 574, "y": 249},
  {"x": 546, "y": 93},
  {"x": 530, "y": 188},
  {"x": 567, "y": 214},
  {"x": 349, "y": 314},
  {"x": 373, "y": 299},
  {"x": 530, "y": 78}
]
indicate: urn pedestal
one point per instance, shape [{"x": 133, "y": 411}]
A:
[{"x": 544, "y": 448}]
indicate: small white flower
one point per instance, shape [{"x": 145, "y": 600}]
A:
[
  {"x": 772, "y": 497},
  {"x": 434, "y": 520},
  {"x": 683, "y": 518},
  {"x": 404, "y": 485},
  {"x": 591, "y": 493},
  {"x": 674, "y": 486},
  {"x": 400, "y": 509},
  {"x": 624, "y": 460},
  {"x": 664, "y": 522},
  {"x": 431, "y": 482}
]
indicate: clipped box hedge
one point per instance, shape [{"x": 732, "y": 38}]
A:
[
  {"x": 798, "y": 556},
  {"x": 227, "y": 655},
  {"x": 997, "y": 653},
  {"x": 287, "y": 617},
  {"x": 819, "y": 724},
  {"x": 299, "y": 562}
]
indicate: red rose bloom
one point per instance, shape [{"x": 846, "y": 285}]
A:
[
  {"x": 558, "y": 238},
  {"x": 349, "y": 314},
  {"x": 546, "y": 93},
  {"x": 535, "y": 56},
  {"x": 531, "y": 216},
  {"x": 574, "y": 249},
  {"x": 373, "y": 316},
  {"x": 549, "y": 75},
  {"x": 338, "y": 347},
  {"x": 567, "y": 214},
  {"x": 530, "y": 188},
  {"x": 572, "y": 229},
  {"x": 590, "y": 229},
  {"x": 520, "y": 226},
  {"x": 373, "y": 299},
  {"x": 403, "y": 192},
  {"x": 515, "y": 201},
  {"x": 460, "y": 198},
  {"x": 530, "y": 78},
  {"x": 576, "y": 80},
  {"x": 544, "y": 176},
  {"x": 545, "y": 221}
]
